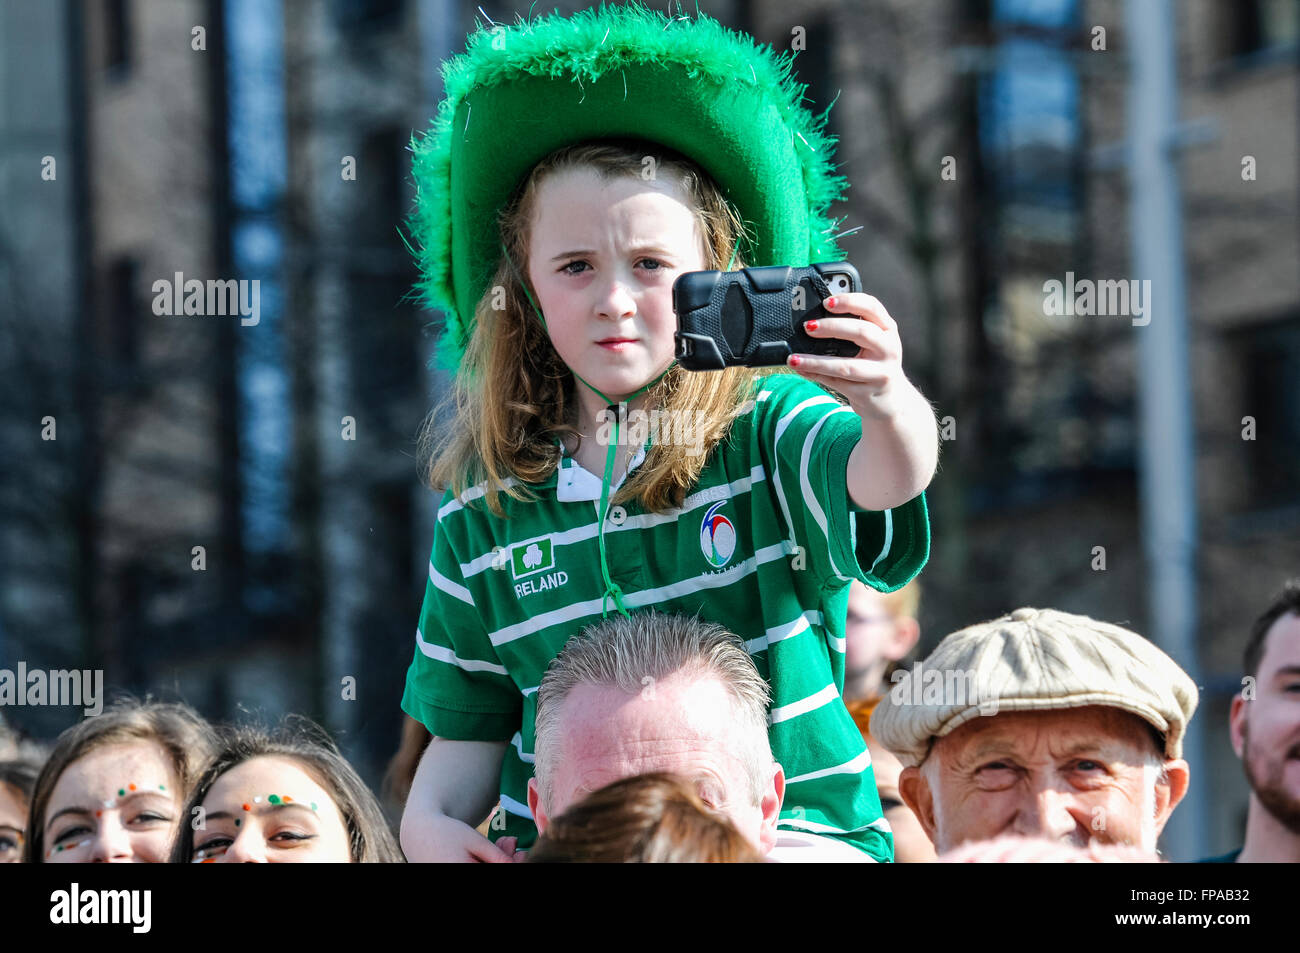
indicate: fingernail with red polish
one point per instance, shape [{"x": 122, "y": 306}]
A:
[
  {"x": 810, "y": 325},
  {"x": 794, "y": 360},
  {"x": 830, "y": 302}
]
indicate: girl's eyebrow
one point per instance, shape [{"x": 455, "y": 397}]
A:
[{"x": 638, "y": 250}]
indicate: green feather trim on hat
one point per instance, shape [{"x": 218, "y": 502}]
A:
[{"x": 519, "y": 93}]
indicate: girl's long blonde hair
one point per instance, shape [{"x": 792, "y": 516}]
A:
[{"x": 513, "y": 395}]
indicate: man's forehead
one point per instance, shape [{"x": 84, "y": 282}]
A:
[{"x": 1058, "y": 732}]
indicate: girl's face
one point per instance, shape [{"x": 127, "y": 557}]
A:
[
  {"x": 269, "y": 810},
  {"x": 117, "y": 804},
  {"x": 13, "y": 821},
  {"x": 602, "y": 258}
]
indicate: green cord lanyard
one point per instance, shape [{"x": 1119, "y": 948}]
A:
[{"x": 611, "y": 588}]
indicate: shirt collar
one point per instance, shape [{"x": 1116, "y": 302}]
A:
[{"x": 576, "y": 484}]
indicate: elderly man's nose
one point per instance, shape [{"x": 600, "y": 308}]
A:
[{"x": 1046, "y": 812}]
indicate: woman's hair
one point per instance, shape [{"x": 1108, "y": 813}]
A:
[
  {"x": 514, "y": 395},
  {"x": 645, "y": 819},
  {"x": 186, "y": 739},
  {"x": 370, "y": 841}
]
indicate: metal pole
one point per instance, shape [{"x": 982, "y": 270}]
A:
[{"x": 1167, "y": 461}]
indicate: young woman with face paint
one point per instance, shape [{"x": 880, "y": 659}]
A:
[{"x": 287, "y": 797}]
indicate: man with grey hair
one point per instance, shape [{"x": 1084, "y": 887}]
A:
[
  {"x": 1042, "y": 724},
  {"x": 656, "y": 692}
]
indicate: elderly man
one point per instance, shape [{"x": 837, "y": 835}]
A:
[
  {"x": 1265, "y": 725},
  {"x": 658, "y": 692},
  {"x": 1043, "y": 724}
]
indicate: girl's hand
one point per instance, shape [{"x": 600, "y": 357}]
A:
[{"x": 872, "y": 380}]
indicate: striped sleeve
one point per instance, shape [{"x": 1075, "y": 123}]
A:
[
  {"x": 456, "y": 685},
  {"x": 808, "y": 436}
]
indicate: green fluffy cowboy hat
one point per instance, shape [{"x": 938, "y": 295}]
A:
[{"x": 519, "y": 93}]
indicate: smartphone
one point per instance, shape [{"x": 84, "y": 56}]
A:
[{"x": 754, "y": 317}]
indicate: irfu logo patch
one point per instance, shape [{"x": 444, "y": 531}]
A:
[{"x": 529, "y": 558}]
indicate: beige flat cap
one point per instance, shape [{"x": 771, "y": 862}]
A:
[{"x": 1033, "y": 660}]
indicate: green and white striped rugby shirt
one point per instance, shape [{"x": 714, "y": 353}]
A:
[{"x": 765, "y": 545}]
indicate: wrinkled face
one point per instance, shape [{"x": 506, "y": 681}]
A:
[
  {"x": 1270, "y": 729},
  {"x": 602, "y": 259},
  {"x": 118, "y": 804},
  {"x": 685, "y": 726},
  {"x": 911, "y": 843},
  {"x": 1078, "y": 776},
  {"x": 13, "y": 823},
  {"x": 270, "y": 810}
]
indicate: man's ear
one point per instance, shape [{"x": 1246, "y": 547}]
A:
[
  {"x": 1237, "y": 723},
  {"x": 535, "y": 805},
  {"x": 916, "y": 794},
  {"x": 907, "y": 632},
  {"x": 1170, "y": 791},
  {"x": 771, "y": 809}
]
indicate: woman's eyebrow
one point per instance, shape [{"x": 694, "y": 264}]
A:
[
  {"x": 645, "y": 248},
  {"x": 262, "y": 809},
  {"x": 88, "y": 811}
]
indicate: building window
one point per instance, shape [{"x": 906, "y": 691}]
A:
[
  {"x": 124, "y": 313},
  {"x": 117, "y": 37},
  {"x": 1269, "y": 356},
  {"x": 1260, "y": 26},
  {"x": 368, "y": 14}
]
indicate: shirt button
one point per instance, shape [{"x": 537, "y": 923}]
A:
[{"x": 617, "y": 515}]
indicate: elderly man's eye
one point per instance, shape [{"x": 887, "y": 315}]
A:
[
  {"x": 1086, "y": 765},
  {"x": 996, "y": 775}
]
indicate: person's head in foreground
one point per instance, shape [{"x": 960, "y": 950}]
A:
[
  {"x": 880, "y": 629},
  {"x": 645, "y": 819},
  {"x": 1014, "y": 849},
  {"x": 283, "y": 797},
  {"x": 17, "y": 780},
  {"x": 1043, "y": 724},
  {"x": 1265, "y": 725},
  {"x": 112, "y": 789},
  {"x": 657, "y": 693}
]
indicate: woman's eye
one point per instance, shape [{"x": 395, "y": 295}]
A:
[
  {"x": 659, "y": 265},
  {"x": 290, "y": 836},
  {"x": 71, "y": 832},
  {"x": 571, "y": 264},
  {"x": 149, "y": 817}
]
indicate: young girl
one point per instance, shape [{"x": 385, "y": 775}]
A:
[{"x": 738, "y": 507}]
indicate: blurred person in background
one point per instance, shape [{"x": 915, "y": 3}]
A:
[
  {"x": 1044, "y": 724},
  {"x": 113, "y": 786},
  {"x": 1264, "y": 722},
  {"x": 880, "y": 630},
  {"x": 17, "y": 780},
  {"x": 287, "y": 797},
  {"x": 645, "y": 819}
]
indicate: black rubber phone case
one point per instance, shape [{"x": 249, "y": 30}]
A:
[{"x": 747, "y": 317}]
